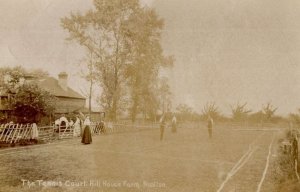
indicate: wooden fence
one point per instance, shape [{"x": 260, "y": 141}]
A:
[
  {"x": 18, "y": 133},
  {"x": 15, "y": 133},
  {"x": 111, "y": 128},
  {"x": 65, "y": 132},
  {"x": 46, "y": 133}
]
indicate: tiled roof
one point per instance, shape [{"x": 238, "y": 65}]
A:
[
  {"x": 86, "y": 110},
  {"x": 51, "y": 84}
]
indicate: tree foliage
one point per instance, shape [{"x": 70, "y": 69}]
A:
[
  {"x": 239, "y": 112},
  {"x": 28, "y": 101},
  {"x": 268, "y": 111},
  {"x": 265, "y": 115},
  {"x": 125, "y": 40},
  {"x": 101, "y": 32},
  {"x": 186, "y": 113},
  {"x": 31, "y": 103},
  {"x": 12, "y": 78},
  {"x": 295, "y": 118},
  {"x": 88, "y": 73},
  {"x": 163, "y": 94},
  {"x": 210, "y": 109}
]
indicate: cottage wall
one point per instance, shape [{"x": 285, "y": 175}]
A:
[{"x": 67, "y": 105}]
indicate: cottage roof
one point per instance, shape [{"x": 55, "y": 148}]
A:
[
  {"x": 86, "y": 110},
  {"x": 52, "y": 85}
]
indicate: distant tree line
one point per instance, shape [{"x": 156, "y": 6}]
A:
[{"x": 239, "y": 113}]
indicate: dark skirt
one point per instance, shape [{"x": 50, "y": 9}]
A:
[
  {"x": 173, "y": 128},
  {"x": 86, "y": 136},
  {"x": 162, "y": 130}
]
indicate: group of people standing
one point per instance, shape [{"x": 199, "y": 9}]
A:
[
  {"x": 81, "y": 127},
  {"x": 163, "y": 124}
]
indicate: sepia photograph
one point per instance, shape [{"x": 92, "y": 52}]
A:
[{"x": 149, "y": 95}]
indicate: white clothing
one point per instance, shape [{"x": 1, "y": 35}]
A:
[
  {"x": 76, "y": 127},
  {"x": 65, "y": 120},
  {"x": 174, "y": 120},
  {"x": 87, "y": 121},
  {"x": 71, "y": 123},
  {"x": 34, "y": 131},
  {"x": 109, "y": 125},
  {"x": 161, "y": 119},
  {"x": 57, "y": 122}
]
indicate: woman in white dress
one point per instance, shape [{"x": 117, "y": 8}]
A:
[{"x": 77, "y": 127}]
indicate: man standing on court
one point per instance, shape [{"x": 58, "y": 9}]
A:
[
  {"x": 174, "y": 121},
  {"x": 162, "y": 122},
  {"x": 210, "y": 123}
]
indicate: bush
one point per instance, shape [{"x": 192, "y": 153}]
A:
[
  {"x": 31, "y": 103},
  {"x": 283, "y": 169}
]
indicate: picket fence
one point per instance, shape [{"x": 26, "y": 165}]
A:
[{"x": 14, "y": 133}]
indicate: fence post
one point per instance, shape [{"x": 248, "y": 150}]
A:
[
  {"x": 58, "y": 131},
  {"x": 295, "y": 154}
]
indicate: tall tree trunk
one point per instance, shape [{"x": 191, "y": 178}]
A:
[
  {"x": 134, "y": 110},
  {"x": 115, "y": 96},
  {"x": 90, "y": 97},
  {"x": 114, "y": 108}
]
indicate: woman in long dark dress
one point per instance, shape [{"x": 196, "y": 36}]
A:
[
  {"x": 174, "y": 121},
  {"x": 162, "y": 126},
  {"x": 87, "y": 135}
]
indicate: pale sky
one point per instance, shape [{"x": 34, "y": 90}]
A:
[
  {"x": 237, "y": 50},
  {"x": 225, "y": 51}
]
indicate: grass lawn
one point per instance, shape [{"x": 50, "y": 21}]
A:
[{"x": 138, "y": 161}]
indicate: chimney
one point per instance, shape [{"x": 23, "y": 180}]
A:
[{"x": 63, "y": 80}]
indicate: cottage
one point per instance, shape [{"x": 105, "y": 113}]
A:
[{"x": 68, "y": 100}]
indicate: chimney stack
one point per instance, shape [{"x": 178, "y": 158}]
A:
[{"x": 63, "y": 80}]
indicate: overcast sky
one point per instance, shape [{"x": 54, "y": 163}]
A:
[{"x": 226, "y": 51}]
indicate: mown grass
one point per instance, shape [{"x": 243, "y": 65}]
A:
[{"x": 185, "y": 161}]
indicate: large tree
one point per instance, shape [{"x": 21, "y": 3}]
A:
[
  {"x": 147, "y": 58},
  {"x": 87, "y": 72},
  {"x": 164, "y": 94},
  {"x": 125, "y": 40}
]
